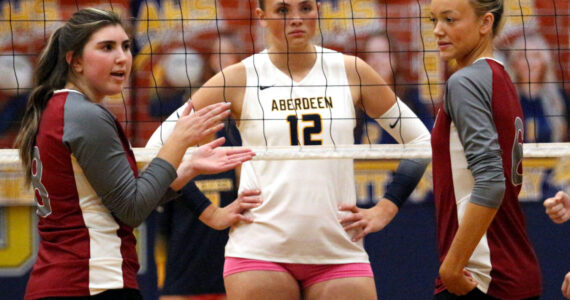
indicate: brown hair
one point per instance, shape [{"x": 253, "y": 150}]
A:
[{"x": 52, "y": 72}]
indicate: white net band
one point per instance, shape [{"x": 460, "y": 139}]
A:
[{"x": 10, "y": 158}]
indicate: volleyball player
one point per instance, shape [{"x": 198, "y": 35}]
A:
[
  {"x": 295, "y": 93},
  {"x": 82, "y": 169},
  {"x": 558, "y": 209},
  {"x": 477, "y": 139}
]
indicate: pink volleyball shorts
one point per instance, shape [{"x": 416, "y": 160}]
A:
[{"x": 306, "y": 274}]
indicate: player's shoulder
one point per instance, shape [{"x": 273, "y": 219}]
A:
[
  {"x": 359, "y": 71},
  {"x": 231, "y": 75},
  {"x": 79, "y": 109},
  {"x": 475, "y": 79},
  {"x": 232, "y": 72},
  {"x": 475, "y": 73}
]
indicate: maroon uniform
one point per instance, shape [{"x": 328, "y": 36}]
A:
[
  {"x": 477, "y": 157},
  {"x": 89, "y": 197}
]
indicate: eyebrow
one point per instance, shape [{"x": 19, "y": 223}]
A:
[
  {"x": 281, "y": 3},
  {"x": 113, "y": 42},
  {"x": 445, "y": 12}
]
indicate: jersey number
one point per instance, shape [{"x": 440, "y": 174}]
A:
[
  {"x": 517, "y": 154},
  {"x": 40, "y": 192},
  {"x": 308, "y": 131}
]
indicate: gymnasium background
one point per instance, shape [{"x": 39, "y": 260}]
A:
[{"x": 171, "y": 32}]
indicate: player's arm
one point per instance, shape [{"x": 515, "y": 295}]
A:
[
  {"x": 375, "y": 97},
  {"x": 470, "y": 109},
  {"x": 371, "y": 93},
  {"x": 93, "y": 140},
  {"x": 226, "y": 86},
  {"x": 216, "y": 217},
  {"x": 196, "y": 201}
]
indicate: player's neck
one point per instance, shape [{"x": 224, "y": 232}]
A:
[
  {"x": 77, "y": 86},
  {"x": 295, "y": 62},
  {"x": 484, "y": 49}
]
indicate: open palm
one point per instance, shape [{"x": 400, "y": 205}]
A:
[{"x": 211, "y": 159}]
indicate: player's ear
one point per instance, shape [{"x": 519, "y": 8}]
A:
[
  {"x": 73, "y": 63},
  {"x": 69, "y": 57},
  {"x": 261, "y": 15},
  {"x": 487, "y": 21}
]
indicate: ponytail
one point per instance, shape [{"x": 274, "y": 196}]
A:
[{"x": 46, "y": 80}]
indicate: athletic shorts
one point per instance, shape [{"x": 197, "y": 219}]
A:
[{"x": 306, "y": 274}]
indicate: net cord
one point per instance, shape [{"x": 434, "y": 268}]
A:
[{"x": 10, "y": 158}]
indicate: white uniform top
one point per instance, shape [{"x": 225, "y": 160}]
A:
[{"x": 297, "y": 222}]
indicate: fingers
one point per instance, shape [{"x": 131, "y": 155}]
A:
[
  {"x": 245, "y": 219},
  {"x": 212, "y": 120},
  {"x": 240, "y": 156},
  {"x": 346, "y": 218},
  {"x": 355, "y": 225},
  {"x": 214, "y": 112},
  {"x": 188, "y": 109},
  {"x": 361, "y": 234},
  {"x": 550, "y": 202},
  {"x": 555, "y": 210},
  {"x": 248, "y": 199},
  {"x": 230, "y": 152},
  {"x": 561, "y": 196},
  {"x": 216, "y": 143},
  {"x": 213, "y": 109},
  {"x": 250, "y": 192},
  {"x": 348, "y": 207},
  {"x": 467, "y": 274}
]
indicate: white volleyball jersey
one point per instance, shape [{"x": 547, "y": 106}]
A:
[{"x": 297, "y": 222}]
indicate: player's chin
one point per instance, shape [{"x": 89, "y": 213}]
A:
[{"x": 115, "y": 88}]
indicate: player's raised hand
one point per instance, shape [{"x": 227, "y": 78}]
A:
[
  {"x": 190, "y": 129},
  {"x": 222, "y": 218},
  {"x": 209, "y": 159},
  {"x": 365, "y": 221},
  {"x": 558, "y": 207}
]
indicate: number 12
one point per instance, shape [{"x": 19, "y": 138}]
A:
[{"x": 308, "y": 131}]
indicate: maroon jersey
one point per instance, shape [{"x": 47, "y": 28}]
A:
[
  {"x": 89, "y": 197},
  {"x": 477, "y": 157}
]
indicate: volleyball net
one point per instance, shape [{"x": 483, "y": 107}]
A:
[{"x": 179, "y": 44}]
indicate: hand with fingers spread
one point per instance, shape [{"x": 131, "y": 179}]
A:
[
  {"x": 210, "y": 159},
  {"x": 366, "y": 221},
  {"x": 558, "y": 207},
  {"x": 221, "y": 218},
  {"x": 191, "y": 129}
]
